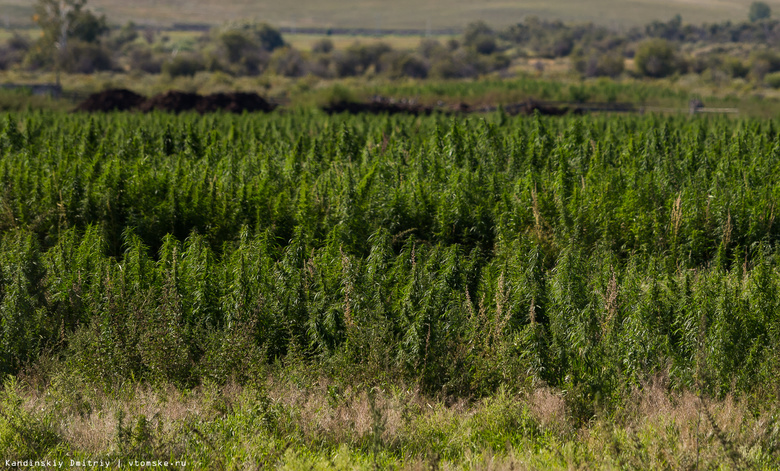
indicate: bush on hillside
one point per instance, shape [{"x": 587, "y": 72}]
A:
[
  {"x": 288, "y": 62},
  {"x": 759, "y": 11},
  {"x": 656, "y": 58},
  {"x": 13, "y": 51},
  {"x": 142, "y": 59},
  {"x": 449, "y": 67},
  {"x": 597, "y": 64},
  {"x": 773, "y": 79},
  {"x": 184, "y": 65},
  {"x": 764, "y": 62},
  {"x": 87, "y": 58},
  {"x": 404, "y": 64},
  {"x": 322, "y": 46}
]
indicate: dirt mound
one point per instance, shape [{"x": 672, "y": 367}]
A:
[
  {"x": 173, "y": 101},
  {"x": 237, "y": 102},
  {"x": 378, "y": 105},
  {"x": 530, "y": 107},
  {"x": 178, "y": 102},
  {"x": 112, "y": 100}
]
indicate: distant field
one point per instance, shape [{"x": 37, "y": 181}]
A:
[
  {"x": 417, "y": 14},
  {"x": 304, "y": 42}
]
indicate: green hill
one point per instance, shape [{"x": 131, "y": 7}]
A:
[{"x": 414, "y": 14}]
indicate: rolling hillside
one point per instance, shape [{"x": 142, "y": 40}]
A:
[{"x": 415, "y": 14}]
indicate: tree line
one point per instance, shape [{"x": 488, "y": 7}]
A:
[{"x": 74, "y": 39}]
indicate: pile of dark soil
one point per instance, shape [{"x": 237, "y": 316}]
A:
[
  {"x": 378, "y": 105},
  {"x": 530, "y": 107},
  {"x": 112, "y": 100},
  {"x": 233, "y": 102},
  {"x": 176, "y": 102},
  {"x": 172, "y": 101}
]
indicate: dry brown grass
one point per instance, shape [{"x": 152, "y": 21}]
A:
[
  {"x": 548, "y": 407},
  {"x": 655, "y": 429}
]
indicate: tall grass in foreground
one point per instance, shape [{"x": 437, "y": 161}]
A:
[
  {"x": 467, "y": 257},
  {"x": 295, "y": 421}
]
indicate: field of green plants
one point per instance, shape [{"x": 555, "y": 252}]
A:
[{"x": 311, "y": 292}]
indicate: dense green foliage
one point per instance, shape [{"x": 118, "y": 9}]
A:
[
  {"x": 759, "y": 11},
  {"x": 459, "y": 253}
]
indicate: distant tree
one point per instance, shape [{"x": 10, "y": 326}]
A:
[
  {"x": 266, "y": 36},
  {"x": 13, "y": 51},
  {"x": 598, "y": 64},
  {"x": 244, "y": 48},
  {"x": 61, "y": 20},
  {"x": 126, "y": 34},
  {"x": 237, "y": 44},
  {"x": 431, "y": 48},
  {"x": 323, "y": 46},
  {"x": 269, "y": 37},
  {"x": 64, "y": 20},
  {"x": 656, "y": 58},
  {"x": 480, "y": 37},
  {"x": 288, "y": 62},
  {"x": 671, "y": 30},
  {"x": 475, "y": 30},
  {"x": 759, "y": 11},
  {"x": 183, "y": 65}
]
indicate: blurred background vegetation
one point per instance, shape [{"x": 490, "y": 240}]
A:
[{"x": 723, "y": 58}]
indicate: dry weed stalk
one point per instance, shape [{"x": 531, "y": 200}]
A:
[{"x": 677, "y": 214}]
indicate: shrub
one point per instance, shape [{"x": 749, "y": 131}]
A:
[
  {"x": 367, "y": 55},
  {"x": 476, "y": 32},
  {"x": 562, "y": 46},
  {"x": 142, "y": 58},
  {"x": 320, "y": 65},
  {"x": 262, "y": 34},
  {"x": 773, "y": 79},
  {"x": 656, "y": 58},
  {"x": 184, "y": 65},
  {"x": 485, "y": 44},
  {"x": 449, "y": 67},
  {"x": 764, "y": 62},
  {"x": 552, "y": 46},
  {"x": 13, "y": 51},
  {"x": 403, "y": 64},
  {"x": 288, "y": 62},
  {"x": 344, "y": 64},
  {"x": 87, "y": 27},
  {"x": 494, "y": 62},
  {"x": 87, "y": 58},
  {"x": 600, "y": 65},
  {"x": 236, "y": 44},
  {"x": 336, "y": 94},
  {"x": 269, "y": 38},
  {"x": 759, "y": 11},
  {"x": 735, "y": 67},
  {"x": 431, "y": 48},
  {"x": 323, "y": 46},
  {"x": 359, "y": 58},
  {"x": 124, "y": 36}
]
